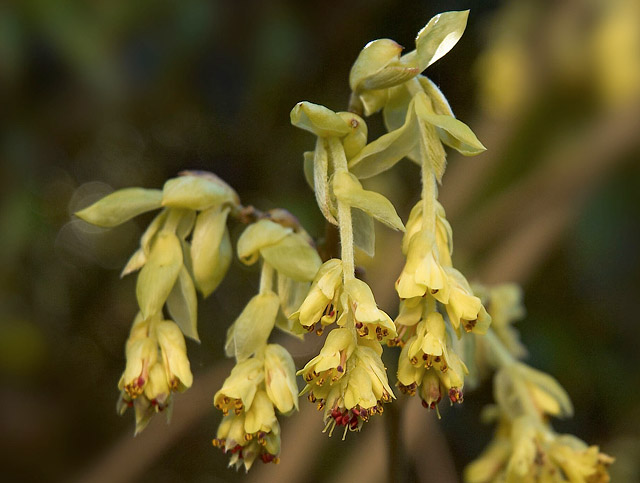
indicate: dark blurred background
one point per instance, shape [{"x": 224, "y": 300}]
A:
[{"x": 100, "y": 95}]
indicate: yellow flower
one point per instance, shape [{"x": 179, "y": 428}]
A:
[
  {"x": 463, "y": 307},
  {"x": 526, "y": 449},
  {"x": 240, "y": 387},
  {"x": 423, "y": 271},
  {"x": 280, "y": 378},
  {"x": 174, "y": 355},
  {"x": 370, "y": 321},
  {"x": 322, "y": 302},
  {"x": 330, "y": 364},
  {"x": 251, "y": 434}
]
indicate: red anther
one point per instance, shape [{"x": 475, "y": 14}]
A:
[
  {"x": 358, "y": 325},
  {"x": 354, "y": 423},
  {"x": 340, "y": 369},
  {"x": 432, "y": 405},
  {"x": 437, "y": 358},
  {"x": 267, "y": 457},
  {"x": 425, "y": 404},
  {"x": 140, "y": 381},
  {"x": 154, "y": 402},
  {"x": 129, "y": 404},
  {"x": 455, "y": 395},
  {"x": 335, "y": 413},
  {"x": 425, "y": 357},
  {"x": 356, "y": 411},
  {"x": 236, "y": 448}
]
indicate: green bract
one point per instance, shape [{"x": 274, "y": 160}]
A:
[{"x": 121, "y": 206}]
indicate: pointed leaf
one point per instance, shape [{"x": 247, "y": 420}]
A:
[
  {"x": 209, "y": 267},
  {"x": 195, "y": 193},
  {"x": 383, "y": 153},
  {"x": 136, "y": 262},
  {"x": 321, "y": 181},
  {"x": 157, "y": 277},
  {"x": 182, "y": 304},
  {"x": 120, "y": 206},
  {"x": 364, "y": 234},
  {"x": 452, "y": 132},
  {"x": 348, "y": 189},
  {"x": 438, "y": 100},
  {"x": 319, "y": 120},
  {"x": 294, "y": 257},
  {"x": 437, "y": 38}
]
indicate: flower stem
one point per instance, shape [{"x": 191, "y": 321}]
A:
[
  {"x": 503, "y": 357},
  {"x": 344, "y": 213},
  {"x": 266, "y": 278},
  {"x": 429, "y": 193}
]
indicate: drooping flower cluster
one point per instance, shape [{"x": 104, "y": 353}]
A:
[
  {"x": 263, "y": 378},
  {"x": 185, "y": 248},
  {"x": 248, "y": 399},
  {"x": 525, "y": 447},
  {"x": 347, "y": 379},
  {"x": 420, "y": 121}
]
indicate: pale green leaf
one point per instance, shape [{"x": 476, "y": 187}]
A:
[
  {"x": 372, "y": 59},
  {"x": 437, "y": 38},
  {"x": 383, "y": 153},
  {"x": 209, "y": 267},
  {"x": 319, "y": 120},
  {"x": 364, "y": 234},
  {"x": 195, "y": 193},
  {"x": 321, "y": 181},
  {"x": 157, "y": 277},
  {"x": 257, "y": 236},
  {"x": 348, "y": 189},
  {"x": 121, "y": 206},
  {"x": 438, "y": 100},
  {"x": 294, "y": 257},
  {"x": 308, "y": 168},
  {"x": 390, "y": 76},
  {"x": 182, "y": 304},
  {"x": 136, "y": 262},
  {"x": 452, "y": 132}
]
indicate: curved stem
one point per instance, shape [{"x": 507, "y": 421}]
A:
[{"x": 344, "y": 213}]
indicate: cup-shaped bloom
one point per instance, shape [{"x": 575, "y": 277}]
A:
[
  {"x": 321, "y": 303},
  {"x": 369, "y": 320},
  {"x": 410, "y": 311},
  {"x": 423, "y": 271},
  {"x": 431, "y": 389},
  {"x": 280, "y": 378},
  {"x": 409, "y": 375},
  {"x": 240, "y": 387},
  {"x": 157, "y": 390},
  {"x": 369, "y": 359},
  {"x": 174, "y": 355},
  {"x": 429, "y": 347},
  {"x": 141, "y": 354},
  {"x": 463, "y": 307},
  {"x": 443, "y": 235},
  {"x": 330, "y": 364},
  {"x": 250, "y": 435}
]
